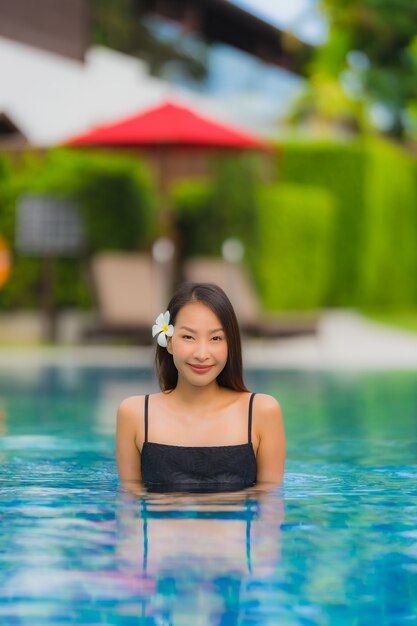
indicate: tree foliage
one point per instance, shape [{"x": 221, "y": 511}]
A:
[
  {"x": 122, "y": 25},
  {"x": 372, "y": 47}
]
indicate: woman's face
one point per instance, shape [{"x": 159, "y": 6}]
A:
[{"x": 198, "y": 346}]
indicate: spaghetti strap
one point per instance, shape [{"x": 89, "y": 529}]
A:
[
  {"x": 146, "y": 417},
  {"x": 250, "y": 418}
]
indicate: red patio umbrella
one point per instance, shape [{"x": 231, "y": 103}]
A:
[
  {"x": 168, "y": 124},
  {"x": 163, "y": 130}
]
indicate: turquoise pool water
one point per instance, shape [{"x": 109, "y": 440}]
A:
[{"x": 337, "y": 545}]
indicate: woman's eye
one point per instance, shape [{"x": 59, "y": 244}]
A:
[
  {"x": 186, "y": 337},
  {"x": 217, "y": 338}
]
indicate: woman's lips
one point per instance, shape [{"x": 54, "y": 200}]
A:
[{"x": 200, "y": 369}]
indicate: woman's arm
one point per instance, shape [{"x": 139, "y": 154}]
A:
[
  {"x": 127, "y": 453},
  {"x": 270, "y": 456}
]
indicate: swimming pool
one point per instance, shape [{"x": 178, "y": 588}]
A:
[{"x": 336, "y": 545}]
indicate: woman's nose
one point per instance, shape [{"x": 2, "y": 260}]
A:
[{"x": 201, "y": 350}]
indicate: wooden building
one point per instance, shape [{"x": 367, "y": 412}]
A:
[
  {"x": 223, "y": 21},
  {"x": 60, "y": 26},
  {"x": 64, "y": 27}
]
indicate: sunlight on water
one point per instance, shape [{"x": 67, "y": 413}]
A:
[{"x": 336, "y": 545}]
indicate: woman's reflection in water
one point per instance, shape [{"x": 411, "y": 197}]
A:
[{"x": 198, "y": 554}]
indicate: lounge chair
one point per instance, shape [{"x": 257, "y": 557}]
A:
[
  {"x": 129, "y": 292},
  {"x": 236, "y": 282}
]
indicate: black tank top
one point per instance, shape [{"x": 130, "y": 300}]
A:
[{"x": 198, "y": 468}]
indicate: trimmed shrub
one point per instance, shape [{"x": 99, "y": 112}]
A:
[
  {"x": 192, "y": 201},
  {"x": 6, "y": 220},
  {"x": 116, "y": 202},
  {"x": 207, "y": 213},
  {"x": 293, "y": 264},
  {"x": 341, "y": 170},
  {"x": 389, "y": 252},
  {"x": 113, "y": 192},
  {"x": 375, "y": 234}
]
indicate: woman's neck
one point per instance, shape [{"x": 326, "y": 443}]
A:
[{"x": 194, "y": 395}]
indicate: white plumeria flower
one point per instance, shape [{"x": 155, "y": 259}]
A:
[{"x": 162, "y": 328}]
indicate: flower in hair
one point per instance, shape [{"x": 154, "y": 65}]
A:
[{"x": 163, "y": 329}]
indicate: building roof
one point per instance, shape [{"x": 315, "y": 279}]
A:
[
  {"x": 51, "y": 98},
  {"x": 65, "y": 27},
  {"x": 223, "y": 21}
]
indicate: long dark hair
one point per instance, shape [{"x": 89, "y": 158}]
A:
[{"x": 215, "y": 298}]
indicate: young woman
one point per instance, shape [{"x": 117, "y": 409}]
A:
[{"x": 204, "y": 430}]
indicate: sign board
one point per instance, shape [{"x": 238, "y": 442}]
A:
[
  {"x": 48, "y": 226},
  {"x": 4, "y": 261}
]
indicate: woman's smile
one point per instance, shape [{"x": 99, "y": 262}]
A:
[{"x": 200, "y": 369}]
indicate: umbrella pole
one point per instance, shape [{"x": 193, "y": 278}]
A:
[
  {"x": 167, "y": 221},
  {"x": 48, "y": 302}
]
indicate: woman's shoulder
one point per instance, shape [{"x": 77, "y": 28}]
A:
[
  {"x": 265, "y": 401},
  {"x": 126, "y": 403},
  {"x": 130, "y": 416},
  {"x": 267, "y": 418},
  {"x": 266, "y": 408},
  {"x": 133, "y": 406}
]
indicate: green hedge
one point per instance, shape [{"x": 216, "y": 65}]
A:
[
  {"x": 375, "y": 235},
  {"x": 389, "y": 253},
  {"x": 117, "y": 205},
  {"x": 341, "y": 170},
  {"x": 207, "y": 213},
  {"x": 6, "y": 220},
  {"x": 339, "y": 228},
  {"x": 286, "y": 230},
  {"x": 114, "y": 194},
  {"x": 294, "y": 262}
]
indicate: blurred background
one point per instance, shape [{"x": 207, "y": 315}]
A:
[{"x": 311, "y": 207}]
